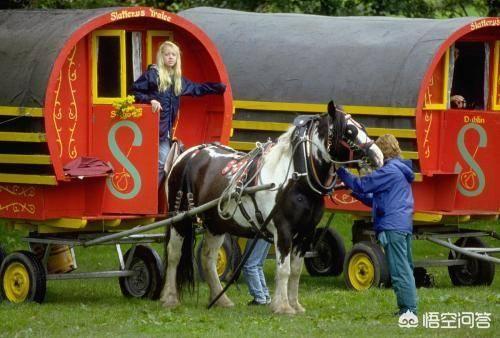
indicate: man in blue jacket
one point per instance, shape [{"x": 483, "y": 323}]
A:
[{"x": 388, "y": 192}]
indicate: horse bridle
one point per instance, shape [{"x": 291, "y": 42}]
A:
[
  {"x": 349, "y": 144},
  {"x": 304, "y": 163}
]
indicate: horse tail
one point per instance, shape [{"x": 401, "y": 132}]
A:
[{"x": 185, "y": 270}]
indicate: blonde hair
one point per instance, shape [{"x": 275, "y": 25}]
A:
[
  {"x": 389, "y": 146},
  {"x": 173, "y": 76}
]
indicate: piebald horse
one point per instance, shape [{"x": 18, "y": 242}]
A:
[{"x": 301, "y": 164}]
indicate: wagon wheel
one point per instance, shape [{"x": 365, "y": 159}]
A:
[
  {"x": 365, "y": 266},
  {"x": 3, "y": 253},
  {"x": 148, "y": 268},
  {"x": 475, "y": 271},
  {"x": 22, "y": 278},
  {"x": 330, "y": 250},
  {"x": 228, "y": 258}
]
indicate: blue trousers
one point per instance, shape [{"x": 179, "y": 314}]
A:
[
  {"x": 163, "y": 150},
  {"x": 397, "y": 247},
  {"x": 253, "y": 270}
]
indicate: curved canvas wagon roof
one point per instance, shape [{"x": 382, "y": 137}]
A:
[
  {"x": 373, "y": 61},
  {"x": 30, "y": 41}
]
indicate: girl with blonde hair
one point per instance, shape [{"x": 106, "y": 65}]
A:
[{"x": 162, "y": 85}]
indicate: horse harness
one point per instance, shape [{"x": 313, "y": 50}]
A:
[
  {"x": 246, "y": 171},
  {"x": 303, "y": 160}
]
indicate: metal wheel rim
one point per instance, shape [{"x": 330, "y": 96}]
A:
[
  {"x": 361, "y": 271},
  {"x": 138, "y": 284},
  {"x": 16, "y": 283}
]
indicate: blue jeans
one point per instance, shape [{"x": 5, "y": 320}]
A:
[
  {"x": 163, "y": 150},
  {"x": 397, "y": 247},
  {"x": 253, "y": 270}
]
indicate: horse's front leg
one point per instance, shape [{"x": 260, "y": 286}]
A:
[
  {"x": 296, "y": 264},
  {"x": 170, "y": 295},
  {"x": 283, "y": 245},
  {"x": 209, "y": 255}
]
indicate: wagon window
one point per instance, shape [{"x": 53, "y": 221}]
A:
[
  {"x": 469, "y": 81},
  {"x": 495, "y": 100},
  {"x": 436, "y": 93},
  {"x": 108, "y": 70},
  {"x": 154, "y": 40},
  {"x": 108, "y": 65}
]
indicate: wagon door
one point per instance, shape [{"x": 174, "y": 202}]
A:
[{"x": 129, "y": 144}]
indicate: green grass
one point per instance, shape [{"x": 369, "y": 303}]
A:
[{"x": 97, "y": 308}]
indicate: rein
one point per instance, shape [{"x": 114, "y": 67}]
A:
[{"x": 304, "y": 162}]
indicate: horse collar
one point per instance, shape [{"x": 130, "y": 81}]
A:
[{"x": 303, "y": 159}]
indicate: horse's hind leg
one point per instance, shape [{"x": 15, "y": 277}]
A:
[
  {"x": 169, "y": 295},
  {"x": 296, "y": 264},
  {"x": 211, "y": 246}
]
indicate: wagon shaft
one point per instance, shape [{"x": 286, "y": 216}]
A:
[{"x": 177, "y": 218}]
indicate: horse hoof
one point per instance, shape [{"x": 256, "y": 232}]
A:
[
  {"x": 284, "y": 310},
  {"x": 298, "y": 308},
  {"x": 224, "y": 303},
  {"x": 170, "y": 304}
]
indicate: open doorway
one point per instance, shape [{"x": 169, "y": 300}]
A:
[{"x": 468, "y": 75}]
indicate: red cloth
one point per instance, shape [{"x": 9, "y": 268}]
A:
[{"x": 87, "y": 167}]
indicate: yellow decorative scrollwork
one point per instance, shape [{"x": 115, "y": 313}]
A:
[
  {"x": 17, "y": 207},
  {"x": 427, "y": 130},
  {"x": 344, "y": 198},
  {"x": 428, "y": 95},
  {"x": 18, "y": 190},
  {"x": 121, "y": 180},
  {"x": 57, "y": 115},
  {"x": 73, "y": 108}
]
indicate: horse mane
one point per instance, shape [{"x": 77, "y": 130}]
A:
[{"x": 282, "y": 145}]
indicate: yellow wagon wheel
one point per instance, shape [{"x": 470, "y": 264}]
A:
[
  {"x": 365, "y": 266},
  {"x": 22, "y": 278},
  {"x": 222, "y": 261},
  {"x": 228, "y": 258}
]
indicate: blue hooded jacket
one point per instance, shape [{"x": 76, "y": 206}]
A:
[
  {"x": 388, "y": 192},
  {"x": 145, "y": 89}
]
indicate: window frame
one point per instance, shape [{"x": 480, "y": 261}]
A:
[
  {"x": 123, "y": 65},
  {"x": 149, "y": 42},
  {"x": 446, "y": 74},
  {"x": 495, "y": 102}
]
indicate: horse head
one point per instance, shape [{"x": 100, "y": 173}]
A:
[{"x": 349, "y": 141}]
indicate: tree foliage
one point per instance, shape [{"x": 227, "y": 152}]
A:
[{"x": 408, "y": 8}]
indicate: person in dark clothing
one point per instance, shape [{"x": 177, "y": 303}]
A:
[
  {"x": 162, "y": 85},
  {"x": 388, "y": 192}
]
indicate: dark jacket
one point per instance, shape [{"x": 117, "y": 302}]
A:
[
  {"x": 388, "y": 192},
  {"x": 145, "y": 89}
]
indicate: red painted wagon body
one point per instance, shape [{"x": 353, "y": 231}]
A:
[{"x": 61, "y": 72}]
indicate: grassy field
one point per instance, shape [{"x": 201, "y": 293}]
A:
[{"x": 97, "y": 308}]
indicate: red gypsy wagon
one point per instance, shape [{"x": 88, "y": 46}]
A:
[
  {"x": 62, "y": 71},
  {"x": 397, "y": 76}
]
